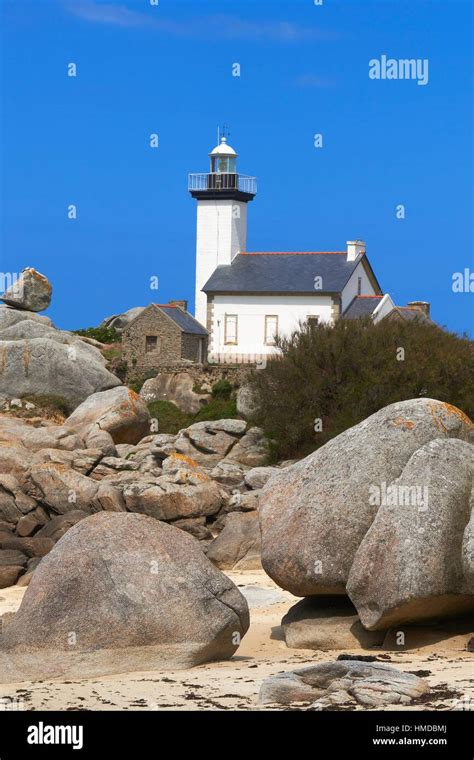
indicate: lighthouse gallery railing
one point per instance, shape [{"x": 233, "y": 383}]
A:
[{"x": 222, "y": 181}]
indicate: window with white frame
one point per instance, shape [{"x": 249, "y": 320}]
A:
[
  {"x": 230, "y": 329},
  {"x": 312, "y": 320},
  {"x": 271, "y": 329}
]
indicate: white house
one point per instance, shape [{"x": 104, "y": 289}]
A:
[{"x": 245, "y": 298}]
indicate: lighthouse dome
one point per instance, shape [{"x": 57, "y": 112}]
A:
[{"x": 223, "y": 149}]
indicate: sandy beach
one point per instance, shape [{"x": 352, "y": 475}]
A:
[{"x": 235, "y": 684}]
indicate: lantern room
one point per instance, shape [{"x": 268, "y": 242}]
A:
[
  {"x": 222, "y": 179},
  {"x": 223, "y": 158}
]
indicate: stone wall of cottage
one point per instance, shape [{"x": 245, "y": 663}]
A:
[
  {"x": 190, "y": 347},
  {"x": 205, "y": 375},
  {"x": 151, "y": 323}
]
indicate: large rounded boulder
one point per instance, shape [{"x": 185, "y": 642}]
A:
[
  {"x": 120, "y": 593},
  {"x": 315, "y": 514},
  {"x": 45, "y": 366},
  {"x": 409, "y": 566},
  {"x": 118, "y": 411},
  {"x": 120, "y": 321},
  {"x": 177, "y": 388}
]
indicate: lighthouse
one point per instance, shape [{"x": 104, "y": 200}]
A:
[{"x": 222, "y": 195}]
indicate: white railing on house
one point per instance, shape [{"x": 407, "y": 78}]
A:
[{"x": 222, "y": 181}]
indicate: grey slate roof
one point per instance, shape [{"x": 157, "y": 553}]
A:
[
  {"x": 361, "y": 306},
  {"x": 282, "y": 273},
  {"x": 411, "y": 314},
  {"x": 183, "y": 319}
]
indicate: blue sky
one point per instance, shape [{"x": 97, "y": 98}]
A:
[{"x": 167, "y": 69}]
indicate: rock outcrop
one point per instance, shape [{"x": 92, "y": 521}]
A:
[
  {"x": 45, "y": 366},
  {"x": 314, "y": 514},
  {"x": 257, "y": 477},
  {"x": 176, "y": 388},
  {"x": 36, "y": 359},
  {"x": 32, "y": 291},
  {"x": 252, "y": 450},
  {"x": 118, "y": 411},
  {"x": 10, "y": 316},
  {"x": 327, "y": 623},
  {"x": 119, "y": 321},
  {"x": 344, "y": 682},
  {"x": 105, "y": 601},
  {"x": 326, "y": 527},
  {"x": 209, "y": 442},
  {"x": 409, "y": 565},
  {"x": 237, "y": 547},
  {"x": 247, "y": 404},
  {"x": 52, "y": 476}
]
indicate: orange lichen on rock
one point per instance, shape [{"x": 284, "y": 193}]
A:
[
  {"x": 183, "y": 458},
  {"x": 402, "y": 422},
  {"x": 202, "y": 477},
  {"x": 52, "y": 466},
  {"x": 451, "y": 410},
  {"x": 38, "y": 275},
  {"x": 458, "y": 413}
]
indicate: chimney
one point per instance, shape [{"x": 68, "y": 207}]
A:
[
  {"x": 354, "y": 247},
  {"x": 182, "y": 304},
  {"x": 420, "y": 306}
]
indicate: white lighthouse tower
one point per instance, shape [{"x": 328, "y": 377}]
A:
[{"x": 222, "y": 196}]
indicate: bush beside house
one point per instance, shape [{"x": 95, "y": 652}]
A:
[{"x": 330, "y": 378}]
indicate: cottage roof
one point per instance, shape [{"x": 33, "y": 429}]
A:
[
  {"x": 183, "y": 319},
  {"x": 361, "y": 306},
  {"x": 283, "y": 272},
  {"x": 409, "y": 313}
]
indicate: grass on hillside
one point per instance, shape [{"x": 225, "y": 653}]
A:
[
  {"x": 55, "y": 409},
  {"x": 171, "y": 419}
]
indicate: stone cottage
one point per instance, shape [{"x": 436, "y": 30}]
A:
[{"x": 163, "y": 334}]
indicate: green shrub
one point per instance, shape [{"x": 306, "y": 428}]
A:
[
  {"x": 341, "y": 374},
  {"x": 112, "y": 354},
  {"x": 45, "y": 403},
  {"x": 102, "y": 334},
  {"x": 120, "y": 368},
  {"x": 171, "y": 419},
  {"x": 222, "y": 389},
  {"x": 217, "y": 409},
  {"x": 136, "y": 383},
  {"x": 197, "y": 388}
]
